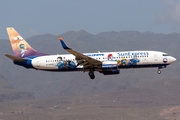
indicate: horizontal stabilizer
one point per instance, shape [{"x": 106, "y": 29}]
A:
[{"x": 14, "y": 58}]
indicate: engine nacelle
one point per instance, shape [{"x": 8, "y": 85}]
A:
[
  {"x": 106, "y": 65},
  {"x": 111, "y": 72}
]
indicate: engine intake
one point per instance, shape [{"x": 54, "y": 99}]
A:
[{"x": 106, "y": 65}]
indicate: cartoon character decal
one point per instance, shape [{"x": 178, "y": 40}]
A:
[
  {"x": 133, "y": 61},
  {"x": 19, "y": 46},
  {"x": 124, "y": 61},
  {"x": 128, "y": 62},
  {"x": 22, "y": 49},
  {"x": 65, "y": 64}
]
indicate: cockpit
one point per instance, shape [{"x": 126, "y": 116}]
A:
[{"x": 165, "y": 54}]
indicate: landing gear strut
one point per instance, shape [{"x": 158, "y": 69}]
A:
[
  {"x": 91, "y": 74},
  {"x": 159, "y": 71}
]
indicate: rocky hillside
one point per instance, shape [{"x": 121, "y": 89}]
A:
[{"x": 9, "y": 93}]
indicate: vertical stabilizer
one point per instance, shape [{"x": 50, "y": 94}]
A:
[{"x": 19, "y": 46}]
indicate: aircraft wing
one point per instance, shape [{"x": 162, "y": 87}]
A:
[{"x": 82, "y": 59}]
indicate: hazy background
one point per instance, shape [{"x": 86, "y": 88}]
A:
[
  {"x": 95, "y": 16},
  {"x": 91, "y": 26},
  {"x": 136, "y": 94}
]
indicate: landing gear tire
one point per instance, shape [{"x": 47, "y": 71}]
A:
[
  {"x": 91, "y": 75},
  {"x": 159, "y": 71}
]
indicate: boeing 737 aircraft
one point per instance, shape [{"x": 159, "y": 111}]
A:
[{"x": 107, "y": 63}]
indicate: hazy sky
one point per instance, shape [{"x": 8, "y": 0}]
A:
[{"x": 34, "y": 17}]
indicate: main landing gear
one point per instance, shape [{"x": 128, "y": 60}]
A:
[{"x": 91, "y": 74}]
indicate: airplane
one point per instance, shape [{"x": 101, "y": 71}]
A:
[{"x": 107, "y": 63}]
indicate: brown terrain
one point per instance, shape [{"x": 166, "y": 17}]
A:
[
  {"x": 143, "y": 103},
  {"x": 171, "y": 113}
]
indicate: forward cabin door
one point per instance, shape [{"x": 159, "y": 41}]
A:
[{"x": 155, "y": 57}]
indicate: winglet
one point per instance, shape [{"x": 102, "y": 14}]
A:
[{"x": 63, "y": 43}]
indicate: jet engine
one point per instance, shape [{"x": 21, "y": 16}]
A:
[
  {"x": 110, "y": 68},
  {"x": 109, "y": 65},
  {"x": 111, "y": 72}
]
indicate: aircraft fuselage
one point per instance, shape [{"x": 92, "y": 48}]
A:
[{"x": 123, "y": 59}]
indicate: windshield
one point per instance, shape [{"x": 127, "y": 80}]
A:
[{"x": 165, "y": 54}]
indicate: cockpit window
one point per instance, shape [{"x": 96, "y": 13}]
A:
[{"x": 165, "y": 55}]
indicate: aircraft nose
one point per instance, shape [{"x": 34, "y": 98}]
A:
[{"x": 172, "y": 59}]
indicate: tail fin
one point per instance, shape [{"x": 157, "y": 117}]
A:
[{"x": 19, "y": 46}]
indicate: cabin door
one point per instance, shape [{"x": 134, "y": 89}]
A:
[{"x": 155, "y": 57}]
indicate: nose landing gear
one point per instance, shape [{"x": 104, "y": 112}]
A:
[
  {"x": 161, "y": 67},
  {"x": 159, "y": 71}
]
